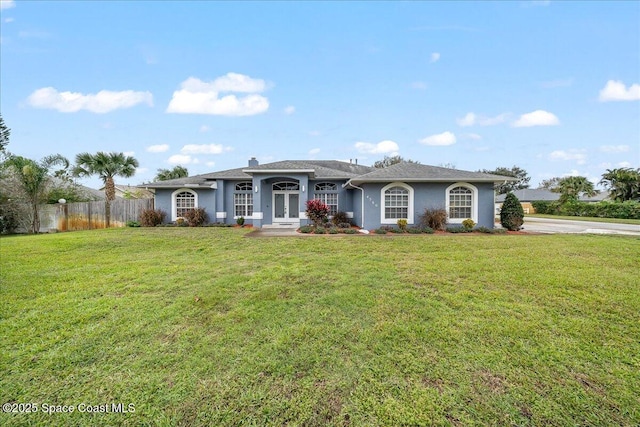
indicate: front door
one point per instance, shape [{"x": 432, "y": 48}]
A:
[{"x": 286, "y": 206}]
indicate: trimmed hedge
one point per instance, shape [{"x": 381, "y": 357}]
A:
[{"x": 605, "y": 209}]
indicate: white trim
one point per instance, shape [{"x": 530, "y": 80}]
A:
[
  {"x": 303, "y": 215},
  {"x": 256, "y": 215},
  {"x": 221, "y": 215},
  {"x": 349, "y": 214},
  {"x": 407, "y": 187},
  {"x": 174, "y": 208},
  {"x": 474, "y": 202}
]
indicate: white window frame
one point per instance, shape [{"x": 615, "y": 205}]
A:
[
  {"x": 323, "y": 190},
  {"x": 174, "y": 203},
  {"x": 474, "y": 202},
  {"x": 247, "y": 192},
  {"x": 410, "y": 213}
]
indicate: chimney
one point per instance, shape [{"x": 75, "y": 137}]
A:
[
  {"x": 253, "y": 162},
  {"x": 356, "y": 161}
]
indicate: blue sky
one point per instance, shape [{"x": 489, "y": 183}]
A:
[{"x": 552, "y": 87}]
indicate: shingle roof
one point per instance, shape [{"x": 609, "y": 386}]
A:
[
  {"x": 334, "y": 169},
  {"x": 416, "y": 172}
]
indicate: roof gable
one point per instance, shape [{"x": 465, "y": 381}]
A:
[{"x": 416, "y": 172}]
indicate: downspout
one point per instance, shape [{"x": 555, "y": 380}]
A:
[{"x": 362, "y": 207}]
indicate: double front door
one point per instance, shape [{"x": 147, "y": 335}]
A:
[{"x": 286, "y": 206}]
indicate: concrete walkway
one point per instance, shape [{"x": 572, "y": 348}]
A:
[{"x": 552, "y": 226}]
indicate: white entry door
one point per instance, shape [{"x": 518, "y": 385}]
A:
[{"x": 286, "y": 206}]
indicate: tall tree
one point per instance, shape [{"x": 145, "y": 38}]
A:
[
  {"x": 106, "y": 166},
  {"x": 167, "y": 174},
  {"x": 5, "y": 132},
  {"x": 32, "y": 178},
  {"x": 572, "y": 187},
  {"x": 550, "y": 183},
  {"x": 622, "y": 183},
  {"x": 392, "y": 160},
  {"x": 513, "y": 172}
]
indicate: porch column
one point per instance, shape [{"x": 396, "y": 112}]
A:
[
  {"x": 221, "y": 213},
  {"x": 257, "y": 201},
  {"x": 306, "y": 193}
]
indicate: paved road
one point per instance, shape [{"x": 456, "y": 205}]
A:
[{"x": 549, "y": 225}]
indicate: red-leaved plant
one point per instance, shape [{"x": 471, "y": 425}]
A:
[{"x": 317, "y": 212}]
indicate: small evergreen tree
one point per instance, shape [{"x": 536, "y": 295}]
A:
[{"x": 511, "y": 214}]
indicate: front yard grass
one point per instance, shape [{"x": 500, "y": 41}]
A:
[{"x": 200, "y": 326}]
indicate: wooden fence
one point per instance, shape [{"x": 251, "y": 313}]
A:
[{"x": 90, "y": 215}]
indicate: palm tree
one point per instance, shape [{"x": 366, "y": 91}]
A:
[
  {"x": 623, "y": 183},
  {"x": 106, "y": 166},
  {"x": 32, "y": 177},
  {"x": 572, "y": 187},
  {"x": 176, "y": 172}
]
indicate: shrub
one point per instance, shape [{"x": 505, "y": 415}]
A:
[
  {"x": 306, "y": 229},
  {"x": 397, "y": 230},
  {"x": 435, "y": 218},
  {"x": 414, "y": 230},
  {"x": 344, "y": 225},
  {"x": 317, "y": 211},
  {"x": 334, "y": 230},
  {"x": 350, "y": 231},
  {"x": 512, "y": 214},
  {"x": 468, "y": 224},
  {"x": 458, "y": 229},
  {"x": 181, "y": 222},
  {"x": 427, "y": 230},
  {"x": 380, "y": 230},
  {"x": 151, "y": 217},
  {"x": 133, "y": 224},
  {"x": 340, "y": 218},
  {"x": 320, "y": 230},
  {"x": 196, "y": 217},
  {"x": 402, "y": 224},
  {"x": 484, "y": 230},
  {"x": 240, "y": 221},
  {"x": 545, "y": 207}
]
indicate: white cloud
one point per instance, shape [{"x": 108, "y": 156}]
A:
[
  {"x": 624, "y": 164},
  {"x": 204, "y": 149},
  {"x": 160, "y": 148},
  {"x": 141, "y": 170},
  {"x": 314, "y": 151},
  {"x": 198, "y": 97},
  {"x": 204, "y": 128},
  {"x": 382, "y": 147},
  {"x": 210, "y": 164},
  {"x": 615, "y": 148},
  {"x": 101, "y": 102},
  {"x": 435, "y": 56},
  {"x": 129, "y": 153},
  {"x": 7, "y": 4},
  {"x": 182, "y": 159},
  {"x": 419, "y": 85},
  {"x": 8, "y": 20},
  {"x": 615, "y": 90},
  {"x": 441, "y": 139},
  {"x": 471, "y": 119},
  {"x": 579, "y": 156},
  {"x": 290, "y": 110},
  {"x": 536, "y": 118}
]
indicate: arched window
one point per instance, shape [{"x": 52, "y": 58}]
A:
[
  {"x": 183, "y": 200},
  {"x": 243, "y": 200},
  {"x": 327, "y": 192},
  {"x": 397, "y": 203},
  {"x": 462, "y": 202},
  {"x": 286, "y": 186}
]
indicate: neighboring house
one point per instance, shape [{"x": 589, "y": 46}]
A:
[
  {"x": 275, "y": 194},
  {"x": 129, "y": 192},
  {"x": 529, "y": 195}
]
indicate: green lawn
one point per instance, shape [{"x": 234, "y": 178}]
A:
[{"x": 205, "y": 327}]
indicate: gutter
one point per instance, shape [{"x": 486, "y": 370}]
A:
[{"x": 362, "y": 200}]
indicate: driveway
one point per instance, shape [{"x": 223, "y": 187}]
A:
[{"x": 549, "y": 225}]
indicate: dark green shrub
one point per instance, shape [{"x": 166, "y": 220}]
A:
[
  {"x": 196, "y": 217},
  {"x": 133, "y": 224},
  {"x": 380, "y": 230},
  {"x": 340, "y": 218},
  {"x": 240, "y": 221},
  {"x": 334, "y": 230},
  {"x": 511, "y": 214},
  {"x": 350, "y": 231},
  {"x": 435, "y": 218},
  {"x": 427, "y": 230},
  {"x": 414, "y": 230},
  {"x": 320, "y": 230},
  {"x": 486, "y": 230},
  {"x": 499, "y": 231},
  {"x": 344, "y": 225},
  {"x": 545, "y": 207},
  {"x": 151, "y": 217},
  {"x": 458, "y": 229},
  {"x": 306, "y": 229},
  {"x": 396, "y": 230}
]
